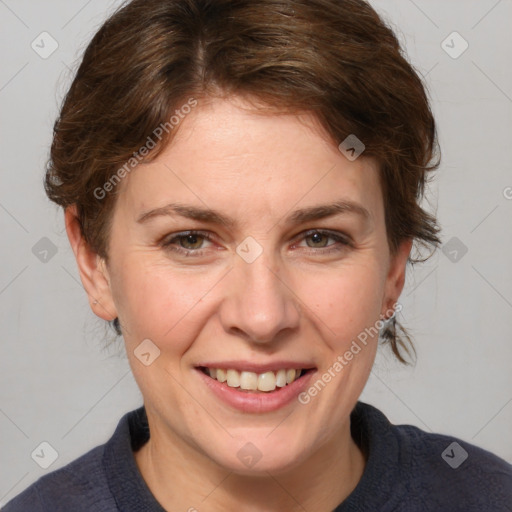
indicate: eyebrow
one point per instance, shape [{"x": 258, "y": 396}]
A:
[{"x": 301, "y": 216}]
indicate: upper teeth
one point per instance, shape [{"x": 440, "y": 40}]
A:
[{"x": 267, "y": 381}]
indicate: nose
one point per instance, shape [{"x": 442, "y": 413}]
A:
[{"x": 260, "y": 304}]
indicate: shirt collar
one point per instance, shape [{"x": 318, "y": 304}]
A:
[
  {"x": 124, "y": 478},
  {"x": 380, "y": 484}
]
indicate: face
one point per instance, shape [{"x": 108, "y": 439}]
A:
[{"x": 251, "y": 249}]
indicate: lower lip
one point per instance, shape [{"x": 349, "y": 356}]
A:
[{"x": 257, "y": 402}]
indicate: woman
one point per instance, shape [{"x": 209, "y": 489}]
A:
[{"x": 241, "y": 183}]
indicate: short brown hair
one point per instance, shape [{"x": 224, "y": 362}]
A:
[{"x": 336, "y": 59}]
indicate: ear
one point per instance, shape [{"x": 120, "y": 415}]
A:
[
  {"x": 395, "y": 279},
  {"x": 92, "y": 269}
]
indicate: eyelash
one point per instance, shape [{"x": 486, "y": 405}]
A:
[{"x": 343, "y": 241}]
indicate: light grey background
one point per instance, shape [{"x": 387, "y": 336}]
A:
[{"x": 60, "y": 385}]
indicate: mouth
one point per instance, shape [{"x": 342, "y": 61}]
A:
[{"x": 264, "y": 382}]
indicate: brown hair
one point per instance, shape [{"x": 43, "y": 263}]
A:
[{"x": 336, "y": 59}]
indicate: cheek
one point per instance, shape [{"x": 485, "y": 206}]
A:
[
  {"x": 346, "y": 301},
  {"x": 160, "y": 303},
  {"x": 172, "y": 306}
]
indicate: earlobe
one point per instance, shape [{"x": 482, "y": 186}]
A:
[
  {"x": 92, "y": 268},
  {"x": 396, "y": 277}
]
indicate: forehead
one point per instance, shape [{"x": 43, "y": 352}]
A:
[{"x": 228, "y": 156}]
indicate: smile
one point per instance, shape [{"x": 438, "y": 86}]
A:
[
  {"x": 248, "y": 381},
  {"x": 255, "y": 388}
]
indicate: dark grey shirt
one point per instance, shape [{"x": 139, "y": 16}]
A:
[{"x": 407, "y": 470}]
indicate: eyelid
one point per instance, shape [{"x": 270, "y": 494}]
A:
[
  {"x": 166, "y": 241},
  {"x": 336, "y": 235}
]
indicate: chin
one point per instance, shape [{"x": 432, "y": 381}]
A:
[{"x": 259, "y": 455}]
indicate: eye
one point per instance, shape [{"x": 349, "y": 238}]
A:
[
  {"x": 187, "y": 243},
  {"x": 191, "y": 243},
  {"x": 318, "y": 239}
]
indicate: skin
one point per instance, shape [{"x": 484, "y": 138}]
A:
[{"x": 296, "y": 301}]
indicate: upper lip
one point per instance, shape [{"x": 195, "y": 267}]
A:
[{"x": 251, "y": 366}]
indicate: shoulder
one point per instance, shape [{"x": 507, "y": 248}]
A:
[
  {"x": 414, "y": 470},
  {"x": 78, "y": 486},
  {"x": 90, "y": 482},
  {"x": 452, "y": 471}
]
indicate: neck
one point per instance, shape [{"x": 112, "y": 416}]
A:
[{"x": 180, "y": 478}]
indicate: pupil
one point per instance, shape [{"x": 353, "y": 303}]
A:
[
  {"x": 190, "y": 240},
  {"x": 317, "y": 238}
]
